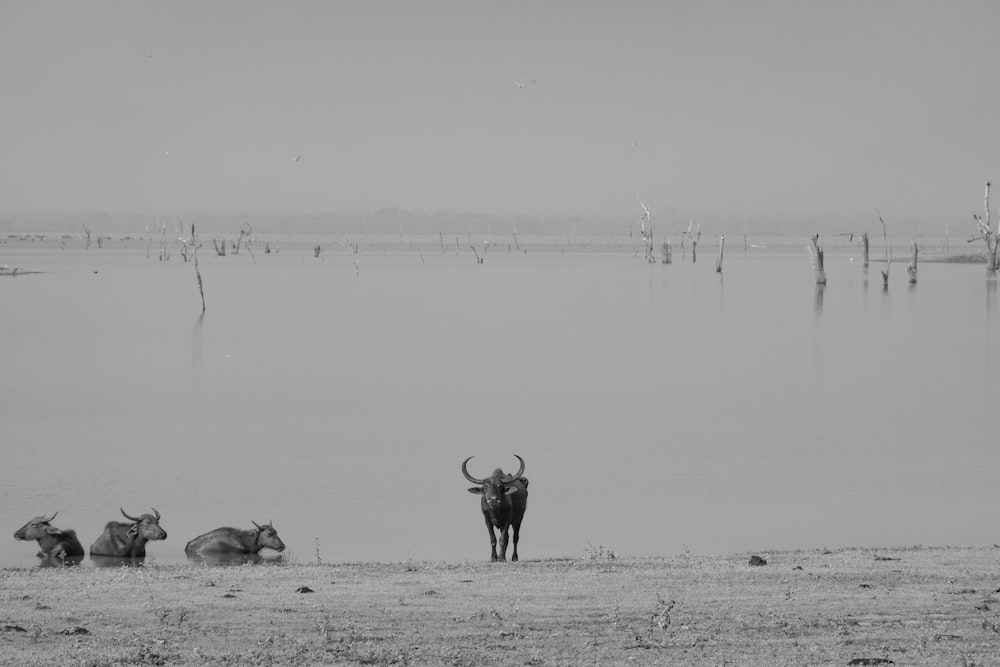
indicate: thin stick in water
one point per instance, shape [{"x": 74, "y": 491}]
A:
[{"x": 201, "y": 288}]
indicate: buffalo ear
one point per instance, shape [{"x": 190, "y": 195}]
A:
[
  {"x": 52, "y": 530},
  {"x": 133, "y": 531},
  {"x": 509, "y": 490},
  {"x": 476, "y": 489}
]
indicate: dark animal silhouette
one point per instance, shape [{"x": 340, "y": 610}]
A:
[
  {"x": 236, "y": 541},
  {"x": 503, "y": 499},
  {"x": 55, "y": 544},
  {"x": 128, "y": 540}
]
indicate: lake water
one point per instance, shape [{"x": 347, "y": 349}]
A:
[{"x": 659, "y": 408}]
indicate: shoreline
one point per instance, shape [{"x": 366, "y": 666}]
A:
[{"x": 911, "y": 605}]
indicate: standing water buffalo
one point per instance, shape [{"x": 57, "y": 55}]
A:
[
  {"x": 504, "y": 499},
  {"x": 236, "y": 541},
  {"x": 55, "y": 544},
  {"x": 128, "y": 540}
]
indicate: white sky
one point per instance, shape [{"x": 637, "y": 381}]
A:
[{"x": 757, "y": 107}]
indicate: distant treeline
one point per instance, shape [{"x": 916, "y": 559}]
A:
[{"x": 667, "y": 223}]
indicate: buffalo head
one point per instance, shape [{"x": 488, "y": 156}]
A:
[
  {"x": 37, "y": 528},
  {"x": 267, "y": 536},
  {"x": 145, "y": 526},
  {"x": 496, "y": 486}
]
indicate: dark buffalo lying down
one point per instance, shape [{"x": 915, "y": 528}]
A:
[
  {"x": 504, "y": 499},
  {"x": 128, "y": 540},
  {"x": 236, "y": 541},
  {"x": 55, "y": 544}
]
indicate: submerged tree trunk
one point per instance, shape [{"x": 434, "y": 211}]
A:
[
  {"x": 816, "y": 253},
  {"x": 990, "y": 238},
  {"x": 864, "y": 249},
  {"x": 888, "y": 255},
  {"x": 722, "y": 247},
  {"x": 911, "y": 268}
]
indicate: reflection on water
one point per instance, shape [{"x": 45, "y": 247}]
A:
[
  {"x": 762, "y": 413},
  {"x": 196, "y": 337}
]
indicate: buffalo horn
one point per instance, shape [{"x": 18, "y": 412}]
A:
[
  {"x": 156, "y": 513},
  {"x": 257, "y": 525},
  {"x": 467, "y": 475},
  {"x": 130, "y": 518},
  {"x": 51, "y": 517},
  {"x": 520, "y": 470}
]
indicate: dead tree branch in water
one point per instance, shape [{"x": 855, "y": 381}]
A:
[
  {"x": 990, "y": 238},
  {"x": 911, "y": 268},
  {"x": 816, "y": 255},
  {"x": 646, "y": 231},
  {"x": 201, "y": 287},
  {"x": 479, "y": 260},
  {"x": 694, "y": 240},
  {"x": 164, "y": 249},
  {"x": 347, "y": 243},
  {"x": 189, "y": 247},
  {"x": 249, "y": 247},
  {"x": 888, "y": 253},
  {"x": 722, "y": 248}
]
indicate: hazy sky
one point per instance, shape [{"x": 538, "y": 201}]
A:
[{"x": 735, "y": 107}]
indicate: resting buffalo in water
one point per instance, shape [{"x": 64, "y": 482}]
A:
[
  {"x": 128, "y": 540},
  {"x": 504, "y": 499},
  {"x": 55, "y": 544},
  {"x": 236, "y": 541}
]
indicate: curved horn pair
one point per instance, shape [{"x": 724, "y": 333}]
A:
[
  {"x": 137, "y": 520},
  {"x": 50, "y": 518},
  {"x": 472, "y": 479}
]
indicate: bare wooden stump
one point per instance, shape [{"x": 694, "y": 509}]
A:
[
  {"x": 667, "y": 253},
  {"x": 911, "y": 268},
  {"x": 990, "y": 238},
  {"x": 888, "y": 254},
  {"x": 201, "y": 287},
  {"x": 816, "y": 254}
]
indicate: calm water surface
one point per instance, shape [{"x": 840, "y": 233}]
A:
[{"x": 659, "y": 407}]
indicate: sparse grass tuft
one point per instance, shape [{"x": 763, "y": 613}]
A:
[{"x": 598, "y": 553}]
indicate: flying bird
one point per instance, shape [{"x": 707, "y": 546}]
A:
[{"x": 296, "y": 158}]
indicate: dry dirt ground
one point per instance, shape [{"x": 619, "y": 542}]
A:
[{"x": 916, "y": 606}]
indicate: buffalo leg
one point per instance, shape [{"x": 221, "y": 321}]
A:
[
  {"x": 517, "y": 536},
  {"x": 503, "y": 543},
  {"x": 493, "y": 540}
]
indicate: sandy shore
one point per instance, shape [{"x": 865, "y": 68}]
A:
[{"x": 916, "y": 606}]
